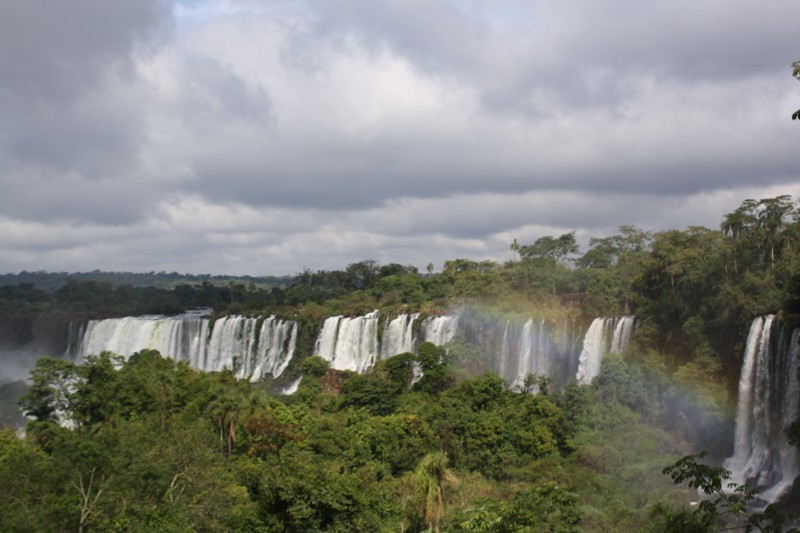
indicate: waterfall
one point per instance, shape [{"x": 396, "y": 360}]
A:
[
  {"x": 610, "y": 334},
  {"x": 292, "y": 387},
  {"x": 513, "y": 349},
  {"x": 349, "y": 343},
  {"x": 326, "y": 342},
  {"x": 768, "y": 396},
  {"x": 255, "y": 348},
  {"x": 439, "y": 330},
  {"x": 622, "y": 334},
  {"x": 398, "y": 335},
  {"x": 232, "y": 345},
  {"x": 539, "y": 347},
  {"x": 125, "y": 336},
  {"x": 274, "y": 354},
  {"x": 505, "y": 352},
  {"x": 234, "y": 342}
]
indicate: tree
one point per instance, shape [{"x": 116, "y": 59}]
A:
[
  {"x": 431, "y": 478},
  {"x": 362, "y": 275},
  {"x": 514, "y": 250},
  {"x": 555, "y": 248},
  {"x": 547, "y": 507},
  {"x": 725, "y": 503},
  {"x": 772, "y": 217},
  {"x": 796, "y": 74},
  {"x": 52, "y": 392}
]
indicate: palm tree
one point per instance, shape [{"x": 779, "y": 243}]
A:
[
  {"x": 430, "y": 479},
  {"x": 796, "y": 74},
  {"x": 515, "y": 249}
]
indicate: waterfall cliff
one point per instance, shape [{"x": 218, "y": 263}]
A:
[
  {"x": 605, "y": 335},
  {"x": 538, "y": 347},
  {"x": 767, "y": 403},
  {"x": 439, "y": 330},
  {"x": 349, "y": 343},
  {"x": 398, "y": 335},
  {"x": 255, "y": 348},
  {"x": 251, "y": 347}
]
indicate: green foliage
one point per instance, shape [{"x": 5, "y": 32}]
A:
[
  {"x": 725, "y": 507},
  {"x": 547, "y": 507},
  {"x": 433, "y": 362},
  {"x": 314, "y": 366},
  {"x": 553, "y": 248},
  {"x": 376, "y": 395},
  {"x": 398, "y": 369},
  {"x": 431, "y": 480},
  {"x": 51, "y": 392}
]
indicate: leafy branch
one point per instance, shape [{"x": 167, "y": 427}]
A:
[{"x": 725, "y": 509}]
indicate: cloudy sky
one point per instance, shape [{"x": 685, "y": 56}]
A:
[{"x": 267, "y": 136}]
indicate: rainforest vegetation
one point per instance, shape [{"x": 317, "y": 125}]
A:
[{"x": 148, "y": 444}]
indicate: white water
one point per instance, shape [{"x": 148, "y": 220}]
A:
[
  {"x": 232, "y": 345},
  {"x": 292, "y": 387},
  {"x": 234, "y": 342},
  {"x": 439, "y": 330},
  {"x": 398, "y": 335},
  {"x": 505, "y": 353},
  {"x": 256, "y": 348},
  {"x": 768, "y": 393},
  {"x": 605, "y": 335},
  {"x": 273, "y": 353},
  {"x": 532, "y": 350},
  {"x": 349, "y": 343}
]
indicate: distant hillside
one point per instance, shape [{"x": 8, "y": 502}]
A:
[{"x": 52, "y": 281}]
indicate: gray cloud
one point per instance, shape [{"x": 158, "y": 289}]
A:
[
  {"x": 54, "y": 50},
  {"x": 252, "y": 136}
]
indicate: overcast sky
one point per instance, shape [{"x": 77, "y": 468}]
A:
[{"x": 264, "y": 136}]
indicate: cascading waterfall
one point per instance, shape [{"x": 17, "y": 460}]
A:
[
  {"x": 538, "y": 347},
  {"x": 768, "y": 396},
  {"x": 398, "y": 335},
  {"x": 439, "y": 330},
  {"x": 125, "y": 336},
  {"x": 276, "y": 345},
  {"x": 234, "y": 342},
  {"x": 232, "y": 345},
  {"x": 349, "y": 343},
  {"x": 610, "y": 334},
  {"x": 623, "y": 330},
  {"x": 255, "y": 348}
]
